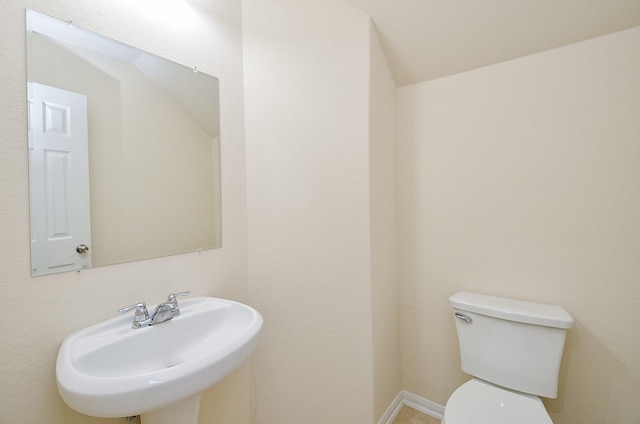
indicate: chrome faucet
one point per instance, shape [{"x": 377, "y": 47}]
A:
[{"x": 163, "y": 312}]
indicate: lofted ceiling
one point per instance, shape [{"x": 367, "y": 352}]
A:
[{"x": 428, "y": 39}]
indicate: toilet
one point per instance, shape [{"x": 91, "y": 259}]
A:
[{"x": 512, "y": 349}]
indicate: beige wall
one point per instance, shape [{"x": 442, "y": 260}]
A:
[
  {"x": 383, "y": 229},
  {"x": 307, "y": 73},
  {"x": 522, "y": 179},
  {"x": 39, "y": 312}
]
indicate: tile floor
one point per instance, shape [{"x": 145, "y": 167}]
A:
[{"x": 411, "y": 416}]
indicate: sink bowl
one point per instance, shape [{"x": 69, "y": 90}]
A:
[{"x": 110, "y": 370}]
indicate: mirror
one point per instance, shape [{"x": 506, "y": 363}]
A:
[{"x": 124, "y": 155}]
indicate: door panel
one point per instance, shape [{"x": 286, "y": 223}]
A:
[{"x": 59, "y": 180}]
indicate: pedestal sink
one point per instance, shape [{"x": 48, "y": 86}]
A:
[{"x": 110, "y": 370}]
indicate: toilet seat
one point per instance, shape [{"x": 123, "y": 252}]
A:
[{"x": 480, "y": 402}]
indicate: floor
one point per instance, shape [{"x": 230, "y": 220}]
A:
[{"x": 411, "y": 416}]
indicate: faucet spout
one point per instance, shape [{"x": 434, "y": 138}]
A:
[
  {"x": 167, "y": 310},
  {"x": 164, "y": 312}
]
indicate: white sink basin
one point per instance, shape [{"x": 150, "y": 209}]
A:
[{"x": 110, "y": 370}]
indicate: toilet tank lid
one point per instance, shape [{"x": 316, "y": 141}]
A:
[{"x": 512, "y": 309}]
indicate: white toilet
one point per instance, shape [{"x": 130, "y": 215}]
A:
[{"x": 513, "y": 350}]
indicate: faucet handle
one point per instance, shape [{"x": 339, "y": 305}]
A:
[
  {"x": 141, "y": 315},
  {"x": 173, "y": 296}
]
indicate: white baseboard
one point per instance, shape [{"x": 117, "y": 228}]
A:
[
  {"x": 423, "y": 405},
  {"x": 392, "y": 411},
  {"x": 413, "y": 401}
]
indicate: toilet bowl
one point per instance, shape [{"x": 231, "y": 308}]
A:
[
  {"x": 480, "y": 402},
  {"x": 512, "y": 349}
]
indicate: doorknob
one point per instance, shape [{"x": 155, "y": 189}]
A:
[{"x": 82, "y": 248}]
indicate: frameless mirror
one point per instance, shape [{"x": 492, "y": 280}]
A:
[{"x": 124, "y": 155}]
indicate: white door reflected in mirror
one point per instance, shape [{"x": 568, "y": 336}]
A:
[{"x": 59, "y": 180}]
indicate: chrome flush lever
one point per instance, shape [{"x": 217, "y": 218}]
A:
[{"x": 463, "y": 317}]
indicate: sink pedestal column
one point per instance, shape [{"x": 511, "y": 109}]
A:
[{"x": 184, "y": 412}]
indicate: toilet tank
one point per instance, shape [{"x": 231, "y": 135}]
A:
[{"x": 511, "y": 343}]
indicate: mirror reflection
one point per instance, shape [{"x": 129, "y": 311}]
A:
[{"x": 124, "y": 159}]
